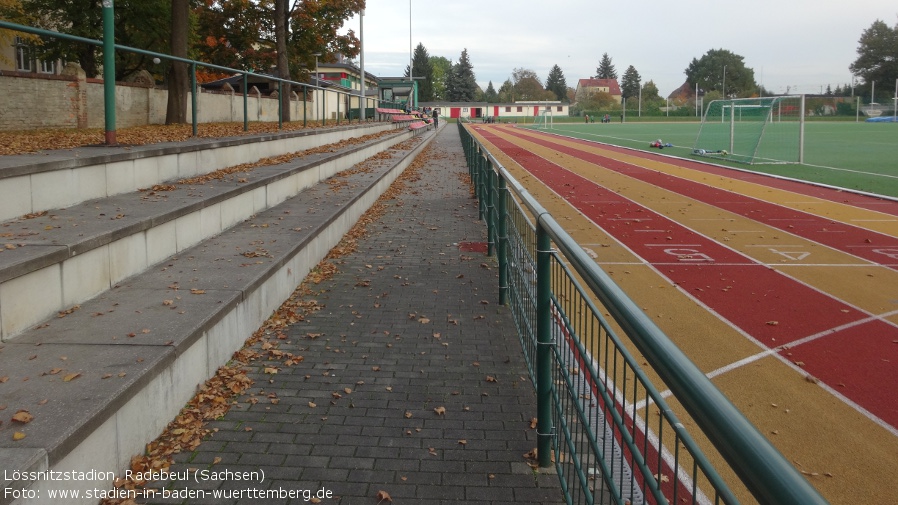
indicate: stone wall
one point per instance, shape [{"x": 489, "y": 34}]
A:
[{"x": 70, "y": 100}]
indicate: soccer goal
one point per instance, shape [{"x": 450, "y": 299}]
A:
[
  {"x": 753, "y": 130},
  {"x": 544, "y": 120}
]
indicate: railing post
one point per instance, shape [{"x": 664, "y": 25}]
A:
[
  {"x": 544, "y": 426},
  {"x": 481, "y": 204},
  {"x": 193, "y": 97},
  {"x": 490, "y": 202},
  {"x": 245, "y": 106},
  {"x": 109, "y": 70},
  {"x": 502, "y": 239}
]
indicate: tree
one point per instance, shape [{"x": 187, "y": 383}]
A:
[
  {"x": 506, "y": 92},
  {"x": 462, "y": 86},
  {"x": 606, "y": 70},
  {"x": 596, "y": 101},
  {"x": 12, "y": 11},
  {"x": 81, "y": 18},
  {"x": 527, "y": 85},
  {"x": 490, "y": 95},
  {"x": 441, "y": 68},
  {"x": 877, "y": 60},
  {"x": 176, "y": 111},
  {"x": 556, "y": 83},
  {"x": 421, "y": 67},
  {"x": 630, "y": 83},
  {"x": 708, "y": 73}
]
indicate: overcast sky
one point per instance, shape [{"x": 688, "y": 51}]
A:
[{"x": 801, "y": 44}]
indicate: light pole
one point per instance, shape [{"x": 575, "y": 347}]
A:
[{"x": 411, "y": 57}]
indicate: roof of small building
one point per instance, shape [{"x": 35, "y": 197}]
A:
[{"x": 611, "y": 84}]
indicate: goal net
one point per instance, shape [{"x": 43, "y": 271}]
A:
[
  {"x": 753, "y": 130},
  {"x": 543, "y": 121}
]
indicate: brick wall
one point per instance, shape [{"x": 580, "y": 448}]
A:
[{"x": 32, "y": 101}]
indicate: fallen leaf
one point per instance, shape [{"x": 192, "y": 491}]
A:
[
  {"x": 22, "y": 416},
  {"x": 312, "y": 405},
  {"x": 70, "y": 377},
  {"x": 441, "y": 411},
  {"x": 383, "y": 496},
  {"x": 408, "y": 414},
  {"x": 195, "y": 291},
  {"x": 18, "y": 436}
]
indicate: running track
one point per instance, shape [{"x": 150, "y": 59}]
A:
[{"x": 850, "y": 348}]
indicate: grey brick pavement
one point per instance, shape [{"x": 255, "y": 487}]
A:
[{"x": 410, "y": 324}]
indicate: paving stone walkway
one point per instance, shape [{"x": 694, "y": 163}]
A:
[{"x": 413, "y": 383}]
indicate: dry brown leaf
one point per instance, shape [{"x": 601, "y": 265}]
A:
[
  {"x": 70, "y": 377},
  {"x": 441, "y": 411},
  {"x": 18, "y": 436},
  {"x": 22, "y": 416},
  {"x": 383, "y": 496}
]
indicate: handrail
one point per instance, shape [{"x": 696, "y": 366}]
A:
[
  {"x": 765, "y": 472},
  {"x": 193, "y": 64}
]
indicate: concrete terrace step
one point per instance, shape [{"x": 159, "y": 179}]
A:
[
  {"x": 31, "y": 183},
  {"x": 107, "y": 377},
  {"x": 51, "y": 262}
]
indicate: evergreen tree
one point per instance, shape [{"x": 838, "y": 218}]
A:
[
  {"x": 506, "y": 92},
  {"x": 462, "y": 86},
  {"x": 421, "y": 67},
  {"x": 490, "y": 95},
  {"x": 556, "y": 83},
  {"x": 606, "y": 69},
  {"x": 630, "y": 83}
]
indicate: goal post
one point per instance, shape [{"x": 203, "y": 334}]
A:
[
  {"x": 753, "y": 130},
  {"x": 543, "y": 121}
]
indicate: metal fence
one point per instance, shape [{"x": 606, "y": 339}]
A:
[{"x": 603, "y": 424}]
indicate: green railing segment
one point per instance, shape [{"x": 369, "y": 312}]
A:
[
  {"x": 109, "y": 81},
  {"x": 602, "y": 421}
]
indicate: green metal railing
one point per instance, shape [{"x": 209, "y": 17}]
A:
[
  {"x": 602, "y": 422},
  {"x": 109, "y": 81}
]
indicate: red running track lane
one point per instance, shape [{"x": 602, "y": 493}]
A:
[
  {"x": 747, "y": 294},
  {"x": 870, "y": 245}
]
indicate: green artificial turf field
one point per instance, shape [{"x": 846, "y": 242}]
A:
[{"x": 853, "y": 155}]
